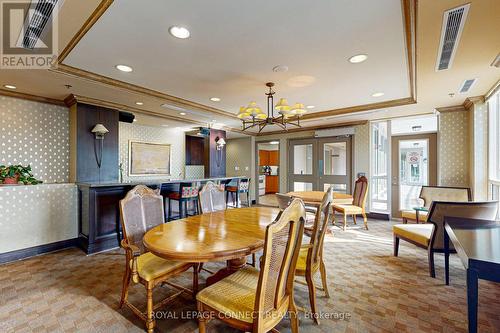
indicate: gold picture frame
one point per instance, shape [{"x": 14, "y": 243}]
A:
[{"x": 149, "y": 158}]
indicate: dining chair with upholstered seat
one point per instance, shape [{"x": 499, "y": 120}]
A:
[
  {"x": 242, "y": 186},
  {"x": 255, "y": 300},
  {"x": 358, "y": 203},
  {"x": 311, "y": 255},
  {"x": 187, "y": 193},
  {"x": 140, "y": 210},
  {"x": 430, "y": 235}
]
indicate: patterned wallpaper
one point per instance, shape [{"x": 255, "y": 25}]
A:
[
  {"x": 173, "y": 136},
  {"x": 37, "y": 134},
  {"x": 37, "y": 214},
  {"x": 361, "y": 149},
  {"x": 453, "y": 148}
]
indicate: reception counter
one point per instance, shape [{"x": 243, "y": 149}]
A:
[{"x": 99, "y": 219}]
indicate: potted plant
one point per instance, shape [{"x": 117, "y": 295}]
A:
[{"x": 15, "y": 174}]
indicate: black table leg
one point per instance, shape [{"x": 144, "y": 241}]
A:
[
  {"x": 446, "y": 258},
  {"x": 472, "y": 286}
]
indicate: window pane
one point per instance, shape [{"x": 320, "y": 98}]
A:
[
  {"x": 335, "y": 158},
  {"x": 338, "y": 188},
  {"x": 302, "y": 159},
  {"x": 413, "y": 171},
  {"x": 379, "y": 157},
  {"x": 301, "y": 186}
]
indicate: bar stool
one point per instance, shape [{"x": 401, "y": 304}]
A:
[
  {"x": 188, "y": 192},
  {"x": 242, "y": 186}
]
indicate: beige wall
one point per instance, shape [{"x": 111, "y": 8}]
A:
[
  {"x": 36, "y": 215},
  {"x": 453, "y": 149},
  {"x": 240, "y": 160},
  {"x": 478, "y": 152},
  {"x": 174, "y": 137},
  {"x": 37, "y": 134}
]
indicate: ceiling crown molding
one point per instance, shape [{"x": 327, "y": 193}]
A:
[
  {"x": 470, "y": 101},
  {"x": 30, "y": 97}
]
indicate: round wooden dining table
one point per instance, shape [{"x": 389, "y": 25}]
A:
[
  {"x": 230, "y": 235},
  {"x": 314, "y": 198}
]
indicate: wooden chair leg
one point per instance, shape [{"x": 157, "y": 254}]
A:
[
  {"x": 365, "y": 220},
  {"x": 432, "y": 271},
  {"x": 322, "y": 270},
  {"x": 126, "y": 283},
  {"x": 202, "y": 321},
  {"x": 150, "y": 322},
  {"x": 405, "y": 220},
  {"x": 294, "y": 316},
  {"x": 169, "y": 210},
  {"x": 396, "y": 245},
  {"x": 354, "y": 218},
  {"x": 345, "y": 221},
  {"x": 312, "y": 296},
  {"x": 254, "y": 259}
]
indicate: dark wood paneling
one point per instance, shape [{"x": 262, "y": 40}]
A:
[
  {"x": 87, "y": 169},
  {"x": 217, "y": 158},
  {"x": 195, "y": 150}
]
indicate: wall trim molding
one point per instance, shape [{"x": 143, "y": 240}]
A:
[
  {"x": 30, "y": 97},
  {"x": 469, "y": 101},
  {"x": 29, "y": 252},
  {"x": 454, "y": 108}
]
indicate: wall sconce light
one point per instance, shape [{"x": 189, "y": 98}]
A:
[
  {"x": 219, "y": 146},
  {"x": 99, "y": 131},
  {"x": 219, "y": 143}
]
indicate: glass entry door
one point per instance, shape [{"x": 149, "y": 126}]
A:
[
  {"x": 413, "y": 166},
  {"x": 316, "y": 164}
]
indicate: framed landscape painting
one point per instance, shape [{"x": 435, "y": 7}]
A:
[{"x": 148, "y": 159}]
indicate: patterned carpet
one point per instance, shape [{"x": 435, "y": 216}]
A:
[{"x": 371, "y": 291}]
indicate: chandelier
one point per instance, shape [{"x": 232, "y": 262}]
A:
[{"x": 253, "y": 116}]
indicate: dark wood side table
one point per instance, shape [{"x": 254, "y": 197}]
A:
[{"x": 477, "y": 243}]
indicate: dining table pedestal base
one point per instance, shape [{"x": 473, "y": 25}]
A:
[{"x": 233, "y": 265}]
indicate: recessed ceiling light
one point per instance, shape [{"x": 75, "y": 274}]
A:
[
  {"x": 139, "y": 103},
  {"x": 215, "y": 99},
  {"x": 179, "y": 32},
  {"x": 274, "y": 143},
  {"x": 124, "y": 68},
  {"x": 182, "y": 113},
  {"x": 310, "y": 106},
  {"x": 378, "y": 94},
  {"x": 356, "y": 59},
  {"x": 135, "y": 119},
  {"x": 10, "y": 86}
]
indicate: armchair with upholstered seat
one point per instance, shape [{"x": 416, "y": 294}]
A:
[
  {"x": 311, "y": 255},
  {"x": 255, "y": 300},
  {"x": 428, "y": 194},
  {"x": 140, "y": 210},
  {"x": 430, "y": 236},
  {"x": 358, "y": 203}
]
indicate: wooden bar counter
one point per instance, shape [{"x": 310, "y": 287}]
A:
[{"x": 99, "y": 214}]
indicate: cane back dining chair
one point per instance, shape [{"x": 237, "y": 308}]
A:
[
  {"x": 253, "y": 300},
  {"x": 211, "y": 198},
  {"x": 430, "y": 236},
  {"x": 140, "y": 210},
  {"x": 284, "y": 201},
  {"x": 358, "y": 203},
  {"x": 311, "y": 255}
]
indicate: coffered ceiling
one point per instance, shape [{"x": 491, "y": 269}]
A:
[{"x": 234, "y": 46}]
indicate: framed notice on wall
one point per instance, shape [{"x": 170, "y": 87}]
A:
[{"x": 148, "y": 159}]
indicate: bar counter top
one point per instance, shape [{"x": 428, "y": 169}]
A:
[{"x": 155, "y": 182}]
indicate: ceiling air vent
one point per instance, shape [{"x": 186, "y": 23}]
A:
[
  {"x": 36, "y": 21},
  {"x": 467, "y": 85},
  {"x": 453, "y": 24}
]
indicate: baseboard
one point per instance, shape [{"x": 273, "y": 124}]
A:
[
  {"x": 36, "y": 250},
  {"x": 379, "y": 216}
]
